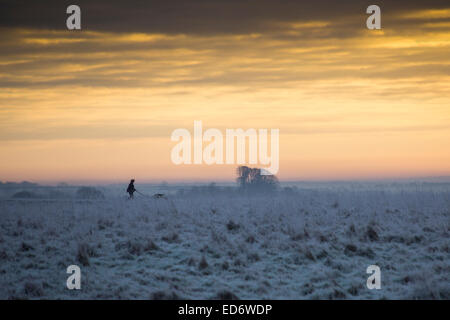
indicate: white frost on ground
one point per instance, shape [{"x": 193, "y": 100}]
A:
[{"x": 315, "y": 244}]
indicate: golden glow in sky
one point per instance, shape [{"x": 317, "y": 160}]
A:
[{"x": 101, "y": 105}]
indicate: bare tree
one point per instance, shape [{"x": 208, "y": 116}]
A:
[{"x": 251, "y": 179}]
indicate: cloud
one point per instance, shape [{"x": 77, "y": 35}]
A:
[
  {"x": 205, "y": 17},
  {"x": 138, "y": 70}
]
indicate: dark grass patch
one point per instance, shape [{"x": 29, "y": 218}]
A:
[
  {"x": 232, "y": 226},
  {"x": 85, "y": 251},
  {"x": 32, "y": 289},
  {"x": 171, "y": 238},
  {"x": 372, "y": 234},
  {"x": 203, "y": 264},
  {"x": 26, "y": 247},
  {"x": 225, "y": 295},
  {"x": 162, "y": 295}
]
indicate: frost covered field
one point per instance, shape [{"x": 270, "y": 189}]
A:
[{"x": 313, "y": 243}]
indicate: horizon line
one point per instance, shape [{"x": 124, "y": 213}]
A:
[{"x": 227, "y": 181}]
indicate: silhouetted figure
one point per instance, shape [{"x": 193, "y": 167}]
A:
[{"x": 131, "y": 189}]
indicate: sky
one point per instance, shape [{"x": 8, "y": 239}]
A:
[{"x": 100, "y": 104}]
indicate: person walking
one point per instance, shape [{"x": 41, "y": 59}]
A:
[{"x": 131, "y": 189}]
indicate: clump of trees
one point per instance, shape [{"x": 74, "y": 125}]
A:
[
  {"x": 25, "y": 195},
  {"x": 251, "y": 179},
  {"x": 89, "y": 193}
]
